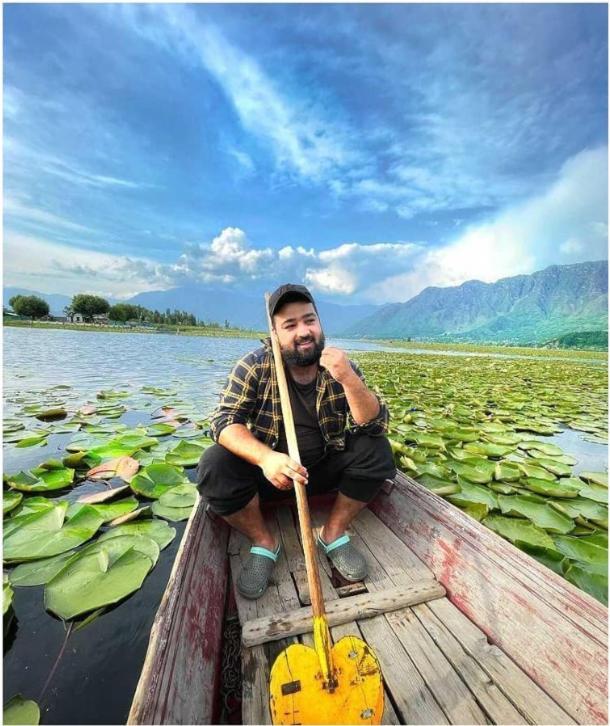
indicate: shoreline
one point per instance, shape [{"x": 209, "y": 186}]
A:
[{"x": 400, "y": 345}]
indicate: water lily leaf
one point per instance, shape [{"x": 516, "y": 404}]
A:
[
  {"x": 109, "y": 394},
  {"x": 136, "y": 440},
  {"x": 155, "y": 479},
  {"x": 553, "y": 465},
  {"x": 186, "y": 432},
  {"x": 9, "y": 426},
  {"x": 174, "y": 514},
  {"x": 41, "y": 480},
  {"x": 39, "y": 572},
  {"x": 102, "y": 496},
  {"x": 21, "y": 711},
  {"x": 473, "y": 494},
  {"x": 541, "y": 515},
  {"x": 519, "y": 530},
  {"x": 587, "y": 579},
  {"x": 479, "y": 471},
  {"x": 40, "y": 440},
  {"x": 124, "y": 467},
  {"x": 442, "y": 487},
  {"x": 504, "y": 439},
  {"x": 546, "y": 449},
  {"x": 407, "y": 464},
  {"x": 7, "y": 594},
  {"x": 438, "y": 471},
  {"x": 74, "y": 460},
  {"x": 578, "y": 548},
  {"x": 536, "y": 472},
  {"x": 503, "y": 488},
  {"x": 160, "y": 429},
  {"x": 87, "y": 409},
  {"x": 185, "y": 454},
  {"x": 481, "y": 448},
  {"x": 107, "y": 511},
  {"x": 595, "y": 492},
  {"x": 145, "y": 511},
  {"x": 595, "y": 477},
  {"x": 506, "y": 471},
  {"x": 476, "y": 510},
  {"x": 95, "y": 580},
  {"x": 561, "y": 488},
  {"x": 462, "y": 434},
  {"x": 44, "y": 534},
  {"x": 52, "y": 414},
  {"x": 160, "y": 531},
  {"x": 183, "y": 495},
  {"x": 580, "y": 507},
  {"x": 428, "y": 441},
  {"x": 10, "y": 500}
]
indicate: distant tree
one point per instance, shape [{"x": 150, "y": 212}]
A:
[
  {"x": 13, "y": 300},
  {"x": 124, "y": 312},
  {"x": 89, "y": 305},
  {"x": 30, "y": 306}
]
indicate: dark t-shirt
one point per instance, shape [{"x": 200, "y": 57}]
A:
[{"x": 305, "y": 415}]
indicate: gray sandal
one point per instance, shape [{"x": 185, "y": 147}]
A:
[
  {"x": 256, "y": 571},
  {"x": 345, "y": 558}
]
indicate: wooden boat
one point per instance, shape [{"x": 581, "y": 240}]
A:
[{"x": 492, "y": 637}]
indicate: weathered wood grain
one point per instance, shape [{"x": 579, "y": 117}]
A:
[
  {"x": 185, "y": 648},
  {"x": 358, "y": 607},
  {"x": 552, "y": 630}
]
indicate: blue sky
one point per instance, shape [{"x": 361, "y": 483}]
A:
[{"x": 365, "y": 150}]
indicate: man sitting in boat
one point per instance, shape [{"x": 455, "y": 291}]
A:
[{"x": 340, "y": 426}]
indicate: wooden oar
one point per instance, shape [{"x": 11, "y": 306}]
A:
[{"x": 325, "y": 685}]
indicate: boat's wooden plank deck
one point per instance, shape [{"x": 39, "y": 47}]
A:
[{"x": 438, "y": 667}]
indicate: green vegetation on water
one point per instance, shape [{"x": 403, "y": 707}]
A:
[{"x": 472, "y": 429}]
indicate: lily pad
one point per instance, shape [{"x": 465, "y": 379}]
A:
[
  {"x": 125, "y": 467},
  {"x": 45, "y": 533},
  {"x": 155, "y": 479},
  {"x": 579, "y": 548},
  {"x": 478, "y": 471},
  {"x": 39, "y": 572},
  {"x": 10, "y": 500},
  {"x": 41, "y": 480},
  {"x": 589, "y": 580},
  {"x": 561, "y": 488},
  {"x": 506, "y": 471},
  {"x": 442, "y": 487},
  {"x": 173, "y": 514},
  {"x": 21, "y": 711},
  {"x": 473, "y": 494},
  {"x": 183, "y": 495},
  {"x": 595, "y": 477},
  {"x": 595, "y": 492},
  {"x": 160, "y": 531},
  {"x": 519, "y": 530},
  {"x": 107, "y": 511},
  {"x": 186, "y": 453},
  {"x": 541, "y": 515},
  {"x": 546, "y": 449},
  {"x": 97, "y": 579}
]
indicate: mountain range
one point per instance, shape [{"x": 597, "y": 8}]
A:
[{"x": 523, "y": 309}]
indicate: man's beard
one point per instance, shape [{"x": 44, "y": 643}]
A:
[{"x": 302, "y": 358}]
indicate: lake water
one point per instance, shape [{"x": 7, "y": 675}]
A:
[{"x": 90, "y": 677}]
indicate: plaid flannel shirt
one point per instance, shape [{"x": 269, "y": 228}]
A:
[{"x": 252, "y": 397}]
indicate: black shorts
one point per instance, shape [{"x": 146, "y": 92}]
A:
[{"x": 228, "y": 482}]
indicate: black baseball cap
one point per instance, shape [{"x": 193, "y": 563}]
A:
[{"x": 289, "y": 293}]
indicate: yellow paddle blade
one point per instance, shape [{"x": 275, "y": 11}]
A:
[{"x": 298, "y": 694}]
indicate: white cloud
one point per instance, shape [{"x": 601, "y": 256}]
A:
[
  {"x": 565, "y": 224},
  {"x": 23, "y": 211},
  {"x": 36, "y": 263}
]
